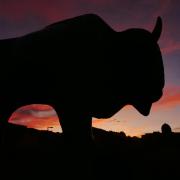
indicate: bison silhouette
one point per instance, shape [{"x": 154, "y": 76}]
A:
[{"x": 83, "y": 69}]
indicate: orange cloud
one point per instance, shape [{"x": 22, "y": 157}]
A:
[
  {"x": 33, "y": 122},
  {"x": 35, "y": 116},
  {"x": 170, "y": 98}
]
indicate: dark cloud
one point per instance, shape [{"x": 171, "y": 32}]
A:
[
  {"x": 18, "y": 17},
  {"x": 35, "y": 14}
]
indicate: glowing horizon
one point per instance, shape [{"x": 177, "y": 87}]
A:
[{"x": 127, "y": 119}]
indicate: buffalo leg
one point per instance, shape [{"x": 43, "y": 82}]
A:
[
  {"x": 78, "y": 140},
  {"x": 76, "y": 127},
  {"x": 5, "y": 113}
]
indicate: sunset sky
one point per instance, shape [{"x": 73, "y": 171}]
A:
[{"x": 19, "y": 17}]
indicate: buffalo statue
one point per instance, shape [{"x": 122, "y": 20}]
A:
[{"x": 83, "y": 69}]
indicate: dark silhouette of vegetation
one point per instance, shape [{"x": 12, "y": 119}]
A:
[
  {"x": 44, "y": 154},
  {"x": 166, "y": 129}
]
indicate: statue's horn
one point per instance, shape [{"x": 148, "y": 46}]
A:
[{"x": 157, "y": 29}]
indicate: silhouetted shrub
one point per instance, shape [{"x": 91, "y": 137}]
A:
[
  {"x": 122, "y": 134},
  {"x": 166, "y": 129}
]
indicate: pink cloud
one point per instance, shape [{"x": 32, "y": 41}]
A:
[
  {"x": 171, "y": 49},
  {"x": 170, "y": 46},
  {"x": 35, "y": 116}
]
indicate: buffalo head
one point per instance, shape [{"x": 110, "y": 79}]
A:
[{"x": 136, "y": 72}]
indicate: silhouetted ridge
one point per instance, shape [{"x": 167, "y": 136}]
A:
[{"x": 31, "y": 152}]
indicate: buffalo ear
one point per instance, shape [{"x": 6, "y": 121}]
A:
[{"x": 157, "y": 29}]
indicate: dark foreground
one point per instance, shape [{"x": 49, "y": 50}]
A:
[{"x": 28, "y": 153}]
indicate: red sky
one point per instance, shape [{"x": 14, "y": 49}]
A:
[
  {"x": 18, "y": 17},
  {"x": 43, "y": 116}
]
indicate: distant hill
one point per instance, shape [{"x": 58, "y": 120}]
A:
[{"x": 33, "y": 153}]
